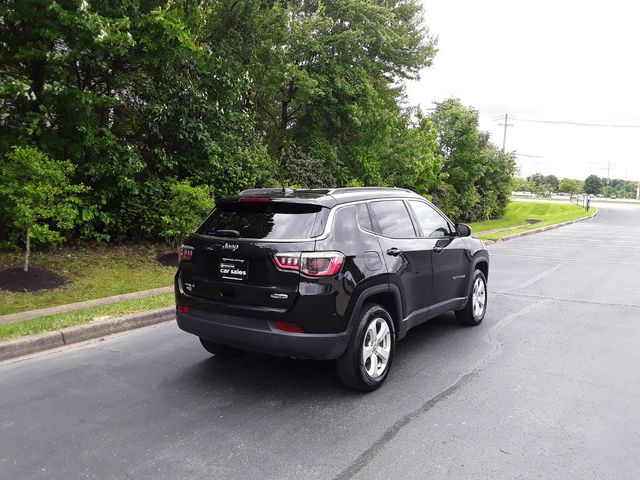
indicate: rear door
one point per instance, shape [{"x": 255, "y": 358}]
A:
[
  {"x": 407, "y": 258},
  {"x": 233, "y": 253},
  {"x": 449, "y": 259}
]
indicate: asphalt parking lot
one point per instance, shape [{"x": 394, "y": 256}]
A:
[{"x": 547, "y": 387}]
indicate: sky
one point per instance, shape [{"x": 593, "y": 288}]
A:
[{"x": 560, "y": 61}]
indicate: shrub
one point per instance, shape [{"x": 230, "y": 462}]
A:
[{"x": 186, "y": 208}]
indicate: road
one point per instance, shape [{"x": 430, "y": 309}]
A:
[{"x": 547, "y": 387}]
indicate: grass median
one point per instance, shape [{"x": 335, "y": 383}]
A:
[
  {"x": 94, "y": 271},
  {"x": 62, "y": 320},
  {"x": 523, "y": 216}
]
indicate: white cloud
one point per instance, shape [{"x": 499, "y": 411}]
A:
[{"x": 545, "y": 60}]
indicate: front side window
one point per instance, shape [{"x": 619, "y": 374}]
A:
[
  {"x": 432, "y": 224},
  {"x": 393, "y": 219}
]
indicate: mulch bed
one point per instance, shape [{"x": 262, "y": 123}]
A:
[
  {"x": 168, "y": 259},
  {"x": 17, "y": 280}
]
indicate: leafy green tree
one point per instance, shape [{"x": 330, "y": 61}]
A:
[
  {"x": 459, "y": 140},
  {"x": 39, "y": 197},
  {"x": 131, "y": 93},
  {"x": 494, "y": 186},
  {"x": 552, "y": 183},
  {"x": 185, "y": 209},
  {"x": 518, "y": 184},
  {"x": 593, "y": 185},
  {"x": 326, "y": 76},
  {"x": 568, "y": 185}
]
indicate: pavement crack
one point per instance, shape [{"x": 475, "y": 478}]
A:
[{"x": 370, "y": 453}]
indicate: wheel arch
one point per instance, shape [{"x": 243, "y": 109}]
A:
[
  {"x": 387, "y": 295},
  {"x": 480, "y": 262}
]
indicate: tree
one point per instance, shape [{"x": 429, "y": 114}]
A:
[
  {"x": 185, "y": 209},
  {"x": 39, "y": 197},
  {"x": 494, "y": 186},
  {"x": 327, "y": 79},
  {"x": 537, "y": 179},
  {"x": 132, "y": 94},
  {"x": 593, "y": 185},
  {"x": 568, "y": 185},
  {"x": 459, "y": 141},
  {"x": 552, "y": 183}
]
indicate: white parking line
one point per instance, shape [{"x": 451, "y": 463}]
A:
[
  {"x": 573, "y": 250},
  {"x": 609, "y": 262},
  {"x": 561, "y": 243}
]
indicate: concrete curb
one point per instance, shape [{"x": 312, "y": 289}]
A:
[
  {"x": 540, "y": 230},
  {"x": 72, "y": 307},
  {"x": 80, "y": 333}
]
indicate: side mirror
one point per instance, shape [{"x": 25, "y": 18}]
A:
[{"x": 463, "y": 230}]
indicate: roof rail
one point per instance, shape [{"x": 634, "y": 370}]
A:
[
  {"x": 364, "y": 189},
  {"x": 264, "y": 191}
]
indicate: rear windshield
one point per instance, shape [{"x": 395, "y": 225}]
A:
[{"x": 265, "y": 220}]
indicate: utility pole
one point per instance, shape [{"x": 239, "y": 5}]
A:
[{"x": 506, "y": 124}]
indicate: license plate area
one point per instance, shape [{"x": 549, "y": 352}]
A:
[{"x": 235, "y": 269}]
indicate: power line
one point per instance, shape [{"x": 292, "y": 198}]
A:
[{"x": 577, "y": 124}]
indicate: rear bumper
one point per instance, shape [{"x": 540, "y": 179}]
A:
[{"x": 261, "y": 335}]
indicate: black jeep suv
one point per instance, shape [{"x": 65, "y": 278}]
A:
[{"x": 327, "y": 274}]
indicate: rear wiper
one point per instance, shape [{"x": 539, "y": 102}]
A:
[{"x": 225, "y": 233}]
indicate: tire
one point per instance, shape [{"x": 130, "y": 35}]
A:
[
  {"x": 219, "y": 350},
  {"x": 473, "y": 312},
  {"x": 365, "y": 369}
]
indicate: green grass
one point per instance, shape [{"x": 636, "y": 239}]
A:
[
  {"x": 93, "y": 271},
  {"x": 62, "y": 320},
  {"x": 517, "y": 214}
]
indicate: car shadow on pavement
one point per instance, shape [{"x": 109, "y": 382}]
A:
[{"x": 257, "y": 374}]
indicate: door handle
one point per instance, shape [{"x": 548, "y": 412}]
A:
[{"x": 394, "y": 252}]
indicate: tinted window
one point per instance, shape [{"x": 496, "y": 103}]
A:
[
  {"x": 262, "y": 220},
  {"x": 430, "y": 221},
  {"x": 393, "y": 219},
  {"x": 364, "y": 220}
]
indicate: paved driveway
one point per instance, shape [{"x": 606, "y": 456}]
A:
[{"x": 548, "y": 387}]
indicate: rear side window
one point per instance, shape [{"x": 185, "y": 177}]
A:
[
  {"x": 264, "y": 220},
  {"x": 364, "y": 219},
  {"x": 393, "y": 219}
]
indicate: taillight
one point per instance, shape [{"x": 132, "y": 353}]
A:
[
  {"x": 314, "y": 264},
  {"x": 287, "y": 261},
  {"x": 186, "y": 252}
]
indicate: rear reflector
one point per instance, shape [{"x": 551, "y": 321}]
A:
[
  {"x": 183, "y": 309},
  {"x": 289, "y": 327},
  {"x": 314, "y": 264},
  {"x": 186, "y": 252}
]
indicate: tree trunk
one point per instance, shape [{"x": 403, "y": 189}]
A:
[{"x": 27, "y": 251}]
